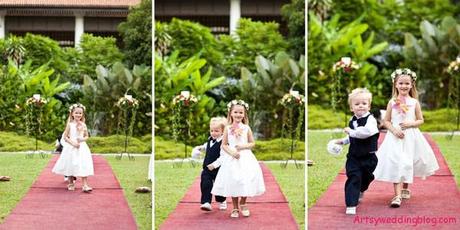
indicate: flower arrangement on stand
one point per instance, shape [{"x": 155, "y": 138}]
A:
[
  {"x": 342, "y": 73},
  {"x": 126, "y": 119},
  {"x": 182, "y": 104},
  {"x": 34, "y": 113},
  {"x": 453, "y": 100},
  {"x": 293, "y": 114}
]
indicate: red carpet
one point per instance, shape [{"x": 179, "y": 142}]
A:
[
  {"x": 269, "y": 211},
  {"x": 435, "y": 204},
  {"x": 48, "y": 204}
]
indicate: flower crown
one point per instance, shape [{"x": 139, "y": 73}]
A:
[
  {"x": 405, "y": 71},
  {"x": 76, "y": 105},
  {"x": 237, "y": 102}
]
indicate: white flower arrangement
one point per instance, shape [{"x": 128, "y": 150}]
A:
[
  {"x": 454, "y": 66},
  {"x": 36, "y": 100},
  {"x": 237, "y": 102},
  {"x": 127, "y": 101},
  {"x": 405, "y": 71},
  {"x": 346, "y": 64},
  {"x": 292, "y": 98},
  {"x": 185, "y": 98}
]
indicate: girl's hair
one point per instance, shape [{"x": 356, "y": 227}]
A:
[
  {"x": 413, "y": 91},
  {"x": 245, "y": 119},
  {"x": 70, "y": 118}
]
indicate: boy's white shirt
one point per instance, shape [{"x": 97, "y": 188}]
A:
[{"x": 362, "y": 132}]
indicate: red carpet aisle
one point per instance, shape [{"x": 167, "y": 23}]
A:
[
  {"x": 48, "y": 204},
  {"x": 435, "y": 204},
  {"x": 269, "y": 211}
]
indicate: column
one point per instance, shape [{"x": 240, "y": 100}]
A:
[
  {"x": 235, "y": 14},
  {"x": 2, "y": 24},
  {"x": 79, "y": 27}
]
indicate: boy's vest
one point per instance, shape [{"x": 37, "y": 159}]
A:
[
  {"x": 212, "y": 153},
  {"x": 362, "y": 147}
]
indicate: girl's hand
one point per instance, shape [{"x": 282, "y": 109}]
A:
[
  {"x": 76, "y": 145},
  {"x": 238, "y": 147},
  {"x": 406, "y": 124},
  {"x": 398, "y": 132},
  {"x": 347, "y": 130},
  {"x": 236, "y": 155}
]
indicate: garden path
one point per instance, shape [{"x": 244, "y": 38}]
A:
[
  {"x": 269, "y": 211},
  {"x": 49, "y": 205},
  {"x": 434, "y": 200}
]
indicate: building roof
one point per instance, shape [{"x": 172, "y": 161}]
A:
[{"x": 69, "y": 3}]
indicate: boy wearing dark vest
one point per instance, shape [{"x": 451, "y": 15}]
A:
[
  {"x": 363, "y": 135},
  {"x": 211, "y": 164}
]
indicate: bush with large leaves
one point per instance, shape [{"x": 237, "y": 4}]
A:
[{"x": 102, "y": 93}]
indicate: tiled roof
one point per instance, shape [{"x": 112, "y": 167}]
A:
[{"x": 69, "y": 3}]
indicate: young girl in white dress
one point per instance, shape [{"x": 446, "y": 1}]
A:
[
  {"x": 404, "y": 153},
  {"x": 75, "y": 159},
  {"x": 240, "y": 175}
]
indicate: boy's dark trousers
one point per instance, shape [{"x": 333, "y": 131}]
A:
[
  {"x": 207, "y": 181},
  {"x": 359, "y": 174}
]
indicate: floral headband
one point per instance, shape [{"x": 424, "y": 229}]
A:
[
  {"x": 76, "y": 105},
  {"x": 405, "y": 71},
  {"x": 237, "y": 102}
]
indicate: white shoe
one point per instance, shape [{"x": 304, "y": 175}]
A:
[
  {"x": 361, "y": 196},
  {"x": 206, "y": 207},
  {"x": 351, "y": 211},
  {"x": 66, "y": 178},
  {"x": 223, "y": 205}
]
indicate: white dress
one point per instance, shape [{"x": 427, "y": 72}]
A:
[
  {"x": 239, "y": 177},
  {"x": 399, "y": 160},
  {"x": 74, "y": 161}
]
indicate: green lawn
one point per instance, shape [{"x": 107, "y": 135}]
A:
[
  {"x": 327, "y": 166},
  {"x": 172, "y": 183},
  {"x": 23, "y": 172}
]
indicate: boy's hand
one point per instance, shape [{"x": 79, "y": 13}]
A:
[
  {"x": 210, "y": 167},
  {"x": 347, "y": 130},
  {"x": 339, "y": 142}
]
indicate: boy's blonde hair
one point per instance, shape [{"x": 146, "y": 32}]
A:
[
  {"x": 221, "y": 121},
  {"x": 354, "y": 93}
]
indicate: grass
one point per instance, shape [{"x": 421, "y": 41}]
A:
[
  {"x": 436, "y": 120},
  {"x": 133, "y": 174},
  {"x": 449, "y": 149},
  {"x": 12, "y": 142},
  {"x": 172, "y": 183},
  {"x": 275, "y": 149},
  {"x": 23, "y": 172},
  {"x": 326, "y": 166}
]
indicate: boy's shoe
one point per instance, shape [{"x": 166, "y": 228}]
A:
[
  {"x": 351, "y": 211},
  {"x": 223, "y": 205},
  {"x": 405, "y": 193},
  {"x": 396, "y": 202},
  {"x": 206, "y": 207},
  {"x": 361, "y": 196}
]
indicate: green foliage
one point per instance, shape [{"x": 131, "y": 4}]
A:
[
  {"x": 40, "y": 50},
  {"x": 276, "y": 149},
  {"x": 441, "y": 41},
  {"x": 190, "y": 39},
  {"x": 84, "y": 59},
  {"x": 327, "y": 43},
  {"x": 251, "y": 39},
  {"x": 294, "y": 14},
  {"x": 137, "y": 34},
  {"x": 276, "y": 75},
  {"x": 172, "y": 77},
  {"x": 13, "y": 142},
  {"x": 102, "y": 93}
]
